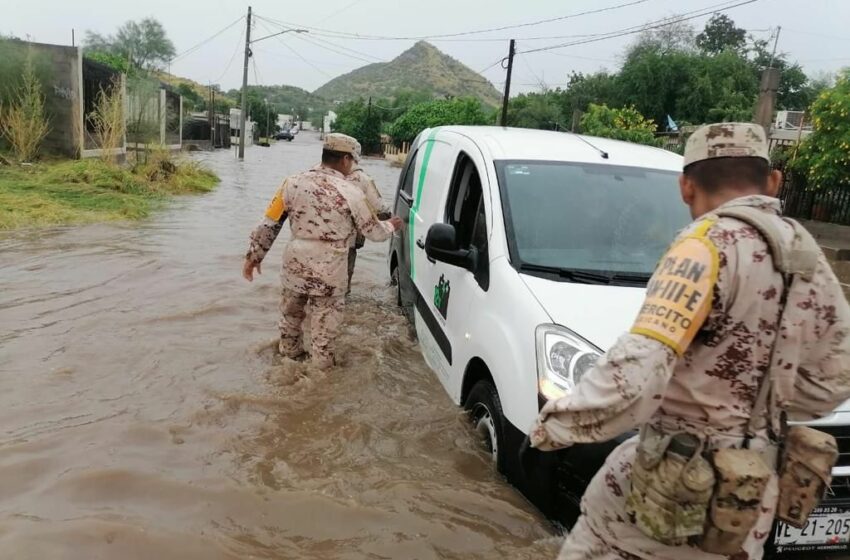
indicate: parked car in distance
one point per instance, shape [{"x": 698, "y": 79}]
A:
[
  {"x": 525, "y": 254},
  {"x": 284, "y": 135}
]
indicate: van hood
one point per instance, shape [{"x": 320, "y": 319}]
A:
[{"x": 599, "y": 314}]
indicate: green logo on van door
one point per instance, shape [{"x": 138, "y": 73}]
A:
[{"x": 441, "y": 295}]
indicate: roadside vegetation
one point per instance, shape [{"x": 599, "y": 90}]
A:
[
  {"x": 93, "y": 190},
  {"x": 39, "y": 190}
]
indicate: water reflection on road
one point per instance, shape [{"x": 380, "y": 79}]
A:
[{"x": 145, "y": 414}]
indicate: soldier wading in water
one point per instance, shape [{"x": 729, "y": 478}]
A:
[
  {"x": 744, "y": 325},
  {"x": 326, "y": 212}
]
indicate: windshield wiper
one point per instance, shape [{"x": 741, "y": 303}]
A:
[
  {"x": 637, "y": 277},
  {"x": 569, "y": 274}
]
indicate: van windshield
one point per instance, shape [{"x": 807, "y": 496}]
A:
[{"x": 587, "y": 222}]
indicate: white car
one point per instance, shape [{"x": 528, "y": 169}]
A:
[{"x": 525, "y": 255}]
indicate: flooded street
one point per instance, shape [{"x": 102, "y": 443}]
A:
[{"x": 145, "y": 414}]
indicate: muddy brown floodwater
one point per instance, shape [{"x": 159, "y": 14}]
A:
[{"x": 145, "y": 415}]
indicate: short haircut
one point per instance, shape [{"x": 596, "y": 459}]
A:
[
  {"x": 724, "y": 173},
  {"x": 333, "y": 156}
]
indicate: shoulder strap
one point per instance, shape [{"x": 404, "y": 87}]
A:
[
  {"x": 800, "y": 259},
  {"x": 797, "y": 260}
]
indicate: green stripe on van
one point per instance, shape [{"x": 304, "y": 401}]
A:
[{"x": 411, "y": 233}]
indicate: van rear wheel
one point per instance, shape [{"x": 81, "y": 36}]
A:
[{"x": 485, "y": 412}]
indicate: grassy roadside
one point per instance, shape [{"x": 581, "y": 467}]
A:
[{"x": 85, "y": 191}]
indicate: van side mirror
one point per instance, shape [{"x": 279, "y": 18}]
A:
[{"x": 441, "y": 245}]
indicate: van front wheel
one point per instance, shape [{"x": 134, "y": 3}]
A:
[{"x": 485, "y": 412}]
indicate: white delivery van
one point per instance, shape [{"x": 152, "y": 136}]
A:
[{"x": 525, "y": 255}]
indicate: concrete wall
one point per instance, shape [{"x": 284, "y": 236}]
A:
[{"x": 62, "y": 97}]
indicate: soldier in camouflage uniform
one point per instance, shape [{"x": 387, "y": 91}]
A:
[
  {"x": 325, "y": 213},
  {"x": 367, "y": 186},
  {"x": 703, "y": 378}
]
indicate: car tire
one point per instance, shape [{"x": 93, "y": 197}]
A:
[
  {"x": 394, "y": 281},
  {"x": 485, "y": 411}
]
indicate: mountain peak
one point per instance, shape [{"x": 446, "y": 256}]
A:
[{"x": 422, "y": 67}]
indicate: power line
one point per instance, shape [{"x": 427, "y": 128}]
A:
[
  {"x": 333, "y": 47},
  {"x": 192, "y": 49},
  {"x": 337, "y": 12},
  {"x": 233, "y": 57},
  {"x": 296, "y": 53},
  {"x": 638, "y": 29},
  {"x": 344, "y": 34}
]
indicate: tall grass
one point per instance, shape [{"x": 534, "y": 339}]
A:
[
  {"x": 108, "y": 120},
  {"x": 93, "y": 190},
  {"x": 24, "y": 123}
]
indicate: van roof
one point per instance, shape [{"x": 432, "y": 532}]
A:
[{"x": 547, "y": 145}]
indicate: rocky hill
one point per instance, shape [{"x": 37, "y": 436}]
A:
[{"x": 423, "y": 67}]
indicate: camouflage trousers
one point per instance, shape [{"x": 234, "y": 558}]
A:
[
  {"x": 352, "y": 258},
  {"x": 325, "y": 321}
]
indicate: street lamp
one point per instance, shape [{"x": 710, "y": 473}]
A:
[{"x": 280, "y": 33}]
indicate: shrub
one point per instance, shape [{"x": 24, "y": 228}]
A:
[
  {"x": 24, "y": 123},
  {"x": 824, "y": 156},
  {"x": 625, "y": 123},
  {"x": 108, "y": 120}
]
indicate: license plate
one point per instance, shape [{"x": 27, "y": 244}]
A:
[{"x": 821, "y": 529}]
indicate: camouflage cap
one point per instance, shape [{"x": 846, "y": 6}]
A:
[
  {"x": 342, "y": 143},
  {"x": 726, "y": 140}
]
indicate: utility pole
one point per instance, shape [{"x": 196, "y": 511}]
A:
[
  {"x": 763, "y": 113},
  {"x": 73, "y": 40},
  {"x": 243, "y": 116},
  {"x": 511, "y": 51},
  {"x": 775, "y": 44}
]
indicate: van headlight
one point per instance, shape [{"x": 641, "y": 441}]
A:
[{"x": 562, "y": 359}]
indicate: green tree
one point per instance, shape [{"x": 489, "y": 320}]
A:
[
  {"x": 192, "y": 100},
  {"x": 720, "y": 34},
  {"x": 144, "y": 44},
  {"x": 461, "y": 110},
  {"x": 536, "y": 110},
  {"x": 675, "y": 35},
  {"x": 625, "y": 123},
  {"x": 357, "y": 119},
  {"x": 824, "y": 156},
  {"x": 584, "y": 89}
]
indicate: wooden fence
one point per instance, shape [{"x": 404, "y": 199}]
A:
[{"x": 830, "y": 205}]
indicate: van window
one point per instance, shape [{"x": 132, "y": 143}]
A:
[
  {"x": 465, "y": 211},
  {"x": 407, "y": 183}
]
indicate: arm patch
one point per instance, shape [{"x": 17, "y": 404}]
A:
[
  {"x": 277, "y": 207},
  {"x": 679, "y": 294}
]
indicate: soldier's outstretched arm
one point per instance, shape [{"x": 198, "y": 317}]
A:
[
  {"x": 623, "y": 390},
  {"x": 627, "y": 384},
  {"x": 367, "y": 223},
  {"x": 264, "y": 235}
]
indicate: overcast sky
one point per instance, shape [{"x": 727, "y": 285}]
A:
[{"x": 814, "y": 33}]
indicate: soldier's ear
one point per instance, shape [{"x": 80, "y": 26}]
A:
[
  {"x": 774, "y": 181},
  {"x": 687, "y": 189}
]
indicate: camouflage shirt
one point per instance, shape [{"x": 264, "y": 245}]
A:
[
  {"x": 325, "y": 213},
  {"x": 369, "y": 189},
  {"x": 710, "y": 387}
]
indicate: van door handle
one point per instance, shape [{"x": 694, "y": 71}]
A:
[{"x": 421, "y": 245}]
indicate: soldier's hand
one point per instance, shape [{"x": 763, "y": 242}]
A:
[
  {"x": 396, "y": 222},
  {"x": 248, "y": 270}
]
